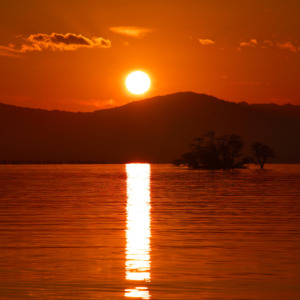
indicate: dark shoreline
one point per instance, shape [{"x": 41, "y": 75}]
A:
[{"x": 111, "y": 163}]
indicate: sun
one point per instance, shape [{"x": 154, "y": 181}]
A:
[{"x": 138, "y": 82}]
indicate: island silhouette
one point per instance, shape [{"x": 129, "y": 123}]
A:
[
  {"x": 212, "y": 152},
  {"x": 154, "y": 130}
]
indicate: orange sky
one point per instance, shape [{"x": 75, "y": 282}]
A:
[{"x": 74, "y": 55}]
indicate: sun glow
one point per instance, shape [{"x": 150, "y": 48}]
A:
[
  {"x": 138, "y": 82},
  {"x": 138, "y": 229}
]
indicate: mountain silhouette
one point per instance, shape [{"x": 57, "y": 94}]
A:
[{"x": 155, "y": 130}]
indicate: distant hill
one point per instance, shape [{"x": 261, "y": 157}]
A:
[{"x": 155, "y": 130}]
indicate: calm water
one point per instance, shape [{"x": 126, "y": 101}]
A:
[{"x": 149, "y": 232}]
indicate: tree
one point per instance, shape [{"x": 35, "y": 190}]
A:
[
  {"x": 212, "y": 152},
  {"x": 231, "y": 148},
  {"x": 261, "y": 152}
]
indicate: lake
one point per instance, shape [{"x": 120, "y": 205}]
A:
[{"x": 142, "y": 231}]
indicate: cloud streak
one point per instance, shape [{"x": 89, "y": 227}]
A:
[
  {"x": 251, "y": 43},
  {"x": 206, "y": 42},
  {"x": 287, "y": 46},
  {"x": 9, "y": 51},
  {"x": 54, "y": 42},
  {"x": 136, "y": 32},
  {"x": 270, "y": 44}
]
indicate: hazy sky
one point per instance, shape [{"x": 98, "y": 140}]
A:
[{"x": 75, "y": 55}]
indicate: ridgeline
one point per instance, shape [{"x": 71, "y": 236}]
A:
[{"x": 155, "y": 130}]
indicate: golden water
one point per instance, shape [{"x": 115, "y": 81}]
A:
[{"x": 149, "y": 232}]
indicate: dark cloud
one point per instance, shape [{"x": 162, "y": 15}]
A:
[
  {"x": 57, "y": 38},
  {"x": 55, "y": 42}
]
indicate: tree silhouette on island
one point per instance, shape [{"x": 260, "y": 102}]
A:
[
  {"x": 211, "y": 152},
  {"x": 262, "y": 153}
]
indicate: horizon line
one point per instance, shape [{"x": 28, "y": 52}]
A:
[{"x": 149, "y": 98}]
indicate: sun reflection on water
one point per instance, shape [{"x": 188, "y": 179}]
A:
[{"x": 138, "y": 229}]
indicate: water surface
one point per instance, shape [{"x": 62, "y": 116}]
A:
[{"x": 158, "y": 232}]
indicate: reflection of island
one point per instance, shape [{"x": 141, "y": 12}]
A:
[{"x": 138, "y": 229}]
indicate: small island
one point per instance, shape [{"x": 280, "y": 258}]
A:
[{"x": 211, "y": 152}]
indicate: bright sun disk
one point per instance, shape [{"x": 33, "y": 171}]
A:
[{"x": 138, "y": 82}]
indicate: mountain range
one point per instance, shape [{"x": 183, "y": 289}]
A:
[{"x": 155, "y": 130}]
